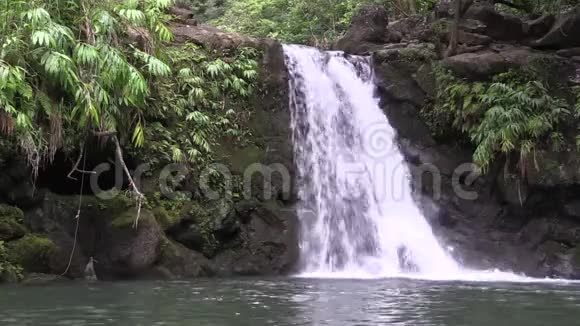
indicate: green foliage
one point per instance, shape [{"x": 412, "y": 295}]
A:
[
  {"x": 298, "y": 21},
  {"x": 167, "y": 212},
  {"x": 206, "y": 99},
  {"x": 68, "y": 68},
  {"x": 317, "y": 22},
  {"x": 204, "y": 10},
  {"x": 512, "y": 114},
  {"x": 11, "y": 226},
  {"x": 320, "y": 22},
  {"x": 32, "y": 253},
  {"x": 9, "y": 272}
]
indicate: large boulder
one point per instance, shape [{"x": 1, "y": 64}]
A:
[
  {"x": 34, "y": 253},
  {"x": 178, "y": 262},
  {"x": 479, "y": 65},
  {"x": 105, "y": 231},
  {"x": 501, "y": 57},
  {"x": 267, "y": 243},
  {"x": 368, "y": 31},
  {"x": 126, "y": 250},
  {"x": 410, "y": 28},
  {"x": 564, "y": 32},
  {"x": 396, "y": 71},
  {"x": 498, "y": 25},
  {"x": 211, "y": 37}
]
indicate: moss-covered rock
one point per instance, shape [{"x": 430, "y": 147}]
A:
[
  {"x": 397, "y": 68},
  {"x": 124, "y": 220},
  {"x": 33, "y": 252},
  {"x": 181, "y": 262},
  {"x": 166, "y": 218},
  {"x": 11, "y": 212},
  {"x": 367, "y": 32},
  {"x": 11, "y": 226}
]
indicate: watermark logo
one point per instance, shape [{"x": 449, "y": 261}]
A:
[{"x": 379, "y": 140}]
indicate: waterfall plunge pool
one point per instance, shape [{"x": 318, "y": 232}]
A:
[{"x": 292, "y": 301}]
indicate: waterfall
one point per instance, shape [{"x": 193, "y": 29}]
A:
[{"x": 357, "y": 213}]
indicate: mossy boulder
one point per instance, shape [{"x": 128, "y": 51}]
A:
[
  {"x": 126, "y": 249},
  {"x": 126, "y": 219},
  {"x": 33, "y": 252},
  {"x": 11, "y": 227},
  {"x": 179, "y": 262},
  {"x": 367, "y": 32},
  {"x": 397, "y": 68},
  {"x": 166, "y": 218},
  {"x": 206, "y": 226}
]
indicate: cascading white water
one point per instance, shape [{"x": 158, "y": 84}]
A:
[
  {"x": 358, "y": 216},
  {"x": 357, "y": 213}
]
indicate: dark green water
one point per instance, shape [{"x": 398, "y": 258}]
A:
[{"x": 291, "y": 302}]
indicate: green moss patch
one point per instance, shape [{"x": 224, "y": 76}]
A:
[
  {"x": 32, "y": 252},
  {"x": 9, "y": 272},
  {"x": 166, "y": 218},
  {"x": 11, "y": 226}
]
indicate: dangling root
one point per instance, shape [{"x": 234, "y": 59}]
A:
[
  {"x": 76, "y": 166},
  {"x": 139, "y": 197}
]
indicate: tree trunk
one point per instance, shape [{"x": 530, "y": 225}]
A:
[
  {"x": 459, "y": 9},
  {"x": 454, "y": 32},
  {"x": 412, "y": 7}
]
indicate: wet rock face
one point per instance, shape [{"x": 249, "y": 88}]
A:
[
  {"x": 367, "y": 32},
  {"x": 16, "y": 186},
  {"x": 268, "y": 242},
  {"x": 396, "y": 71}
]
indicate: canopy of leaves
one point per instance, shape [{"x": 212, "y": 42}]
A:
[
  {"x": 317, "y": 22},
  {"x": 205, "y": 100},
  {"x": 73, "y": 67},
  {"x": 70, "y": 69},
  {"x": 512, "y": 114}
]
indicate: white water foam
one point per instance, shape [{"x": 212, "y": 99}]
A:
[{"x": 358, "y": 216}]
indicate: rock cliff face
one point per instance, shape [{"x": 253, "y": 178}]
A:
[
  {"x": 252, "y": 234},
  {"x": 529, "y": 226}
]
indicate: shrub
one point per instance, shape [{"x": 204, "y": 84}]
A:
[
  {"x": 512, "y": 114},
  {"x": 9, "y": 272}
]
